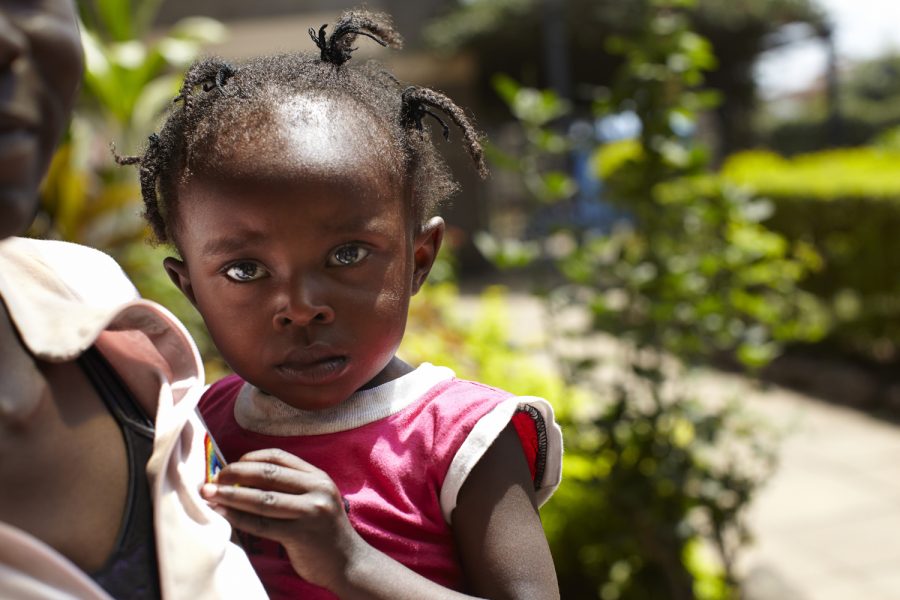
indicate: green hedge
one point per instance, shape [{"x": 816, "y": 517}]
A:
[
  {"x": 815, "y": 132},
  {"x": 845, "y": 203}
]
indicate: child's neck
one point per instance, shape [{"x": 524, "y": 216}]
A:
[{"x": 395, "y": 369}]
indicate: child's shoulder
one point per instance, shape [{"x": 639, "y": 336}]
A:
[
  {"x": 469, "y": 416},
  {"x": 445, "y": 395},
  {"x": 467, "y": 404},
  {"x": 475, "y": 390},
  {"x": 443, "y": 382}
]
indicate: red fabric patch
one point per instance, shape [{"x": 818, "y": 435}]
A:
[{"x": 527, "y": 430}]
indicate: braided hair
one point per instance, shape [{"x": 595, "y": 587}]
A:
[{"x": 216, "y": 94}]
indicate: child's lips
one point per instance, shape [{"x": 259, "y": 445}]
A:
[{"x": 314, "y": 367}]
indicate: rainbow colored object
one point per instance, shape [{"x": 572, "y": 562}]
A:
[{"x": 214, "y": 461}]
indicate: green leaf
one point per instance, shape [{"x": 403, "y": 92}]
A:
[
  {"x": 529, "y": 105},
  {"x": 609, "y": 158},
  {"x": 115, "y": 15},
  {"x": 506, "y": 87},
  {"x": 552, "y": 186}
]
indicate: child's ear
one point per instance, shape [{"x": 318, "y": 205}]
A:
[
  {"x": 427, "y": 244},
  {"x": 178, "y": 273}
]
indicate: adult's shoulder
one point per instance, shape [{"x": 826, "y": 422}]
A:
[
  {"x": 59, "y": 295},
  {"x": 59, "y": 267}
]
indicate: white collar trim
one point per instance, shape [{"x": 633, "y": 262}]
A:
[{"x": 261, "y": 413}]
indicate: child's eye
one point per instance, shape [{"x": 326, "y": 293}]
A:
[
  {"x": 347, "y": 255},
  {"x": 245, "y": 271}
]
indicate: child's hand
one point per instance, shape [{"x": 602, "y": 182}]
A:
[
  {"x": 275, "y": 495},
  {"x": 286, "y": 499}
]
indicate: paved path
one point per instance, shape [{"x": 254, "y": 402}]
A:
[{"x": 827, "y": 524}]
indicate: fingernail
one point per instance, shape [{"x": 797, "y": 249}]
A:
[
  {"x": 220, "y": 509},
  {"x": 208, "y": 489}
]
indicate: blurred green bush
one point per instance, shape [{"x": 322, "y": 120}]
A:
[
  {"x": 723, "y": 280},
  {"x": 845, "y": 204}
]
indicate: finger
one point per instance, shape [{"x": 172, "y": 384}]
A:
[
  {"x": 273, "y": 477},
  {"x": 278, "y": 456},
  {"x": 217, "y": 494},
  {"x": 266, "y": 503}
]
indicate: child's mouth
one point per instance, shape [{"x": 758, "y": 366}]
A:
[{"x": 313, "y": 372}]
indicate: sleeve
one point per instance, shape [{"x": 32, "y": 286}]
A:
[{"x": 541, "y": 443}]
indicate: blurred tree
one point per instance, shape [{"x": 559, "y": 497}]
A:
[
  {"x": 506, "y": 37},
  {"x": 869, "y": 100},
  {"x": 876, "y": 80},
  {"x": 739, "y": 32},
  {"x": 870, "y": 92}
]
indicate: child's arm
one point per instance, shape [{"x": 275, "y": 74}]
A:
[
  {"x": 284, "y": 498},
  {"x": 497, "y": 528}
]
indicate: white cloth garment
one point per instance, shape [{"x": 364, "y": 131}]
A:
[{"x": 63, "y": 298}]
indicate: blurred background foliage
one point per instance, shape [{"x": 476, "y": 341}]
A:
[
  {"x": 844, "y": 203},
  {"x": 659, "y": 204},
  {"x": 505, "y": 36},
  {"x": 677, "y": 276}
]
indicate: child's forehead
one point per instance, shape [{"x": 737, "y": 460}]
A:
[
  {"x": 301, "y": 136},
  {"x": 327, "y": 127},
  {"x": 338, "y": 204}
]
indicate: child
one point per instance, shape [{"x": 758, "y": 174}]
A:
[{"x": 299, "y": 191}]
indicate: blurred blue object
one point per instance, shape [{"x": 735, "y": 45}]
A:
[{"x": 587, "y": 210}]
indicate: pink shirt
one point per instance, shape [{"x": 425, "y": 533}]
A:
[{"x": 399, "y": 454}]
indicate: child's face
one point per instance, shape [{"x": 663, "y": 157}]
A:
[
  {"x": 40, "y": 67},
  {"x": 304, "y": 278}
]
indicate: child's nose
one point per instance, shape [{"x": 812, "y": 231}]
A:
[{"x": 303, "y": 305}]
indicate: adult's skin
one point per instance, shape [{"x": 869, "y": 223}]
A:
[
  {"x": 41, "y": 62},
  {"x": 63, "y": 469}
]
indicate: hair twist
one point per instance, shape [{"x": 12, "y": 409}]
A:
[
  {"x": 415, "y": 101},
  {"x": 337, "y": 48},
  {"x": 209, "y": 74}
]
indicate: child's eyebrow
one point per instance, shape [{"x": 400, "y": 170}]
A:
[
  {"x": 232, "y": 243},
  {"x": 356, "y": 223}
]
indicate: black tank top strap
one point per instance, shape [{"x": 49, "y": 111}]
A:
[{"x": 131, "y": 571}]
